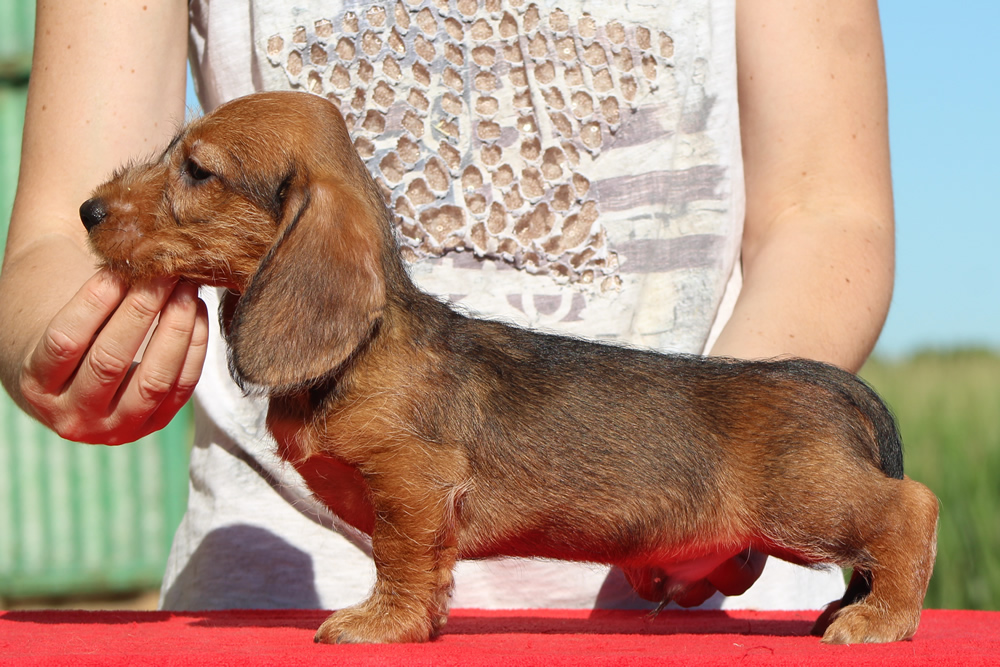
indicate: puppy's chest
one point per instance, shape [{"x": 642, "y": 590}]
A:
[{"x": 352, "y": 427}]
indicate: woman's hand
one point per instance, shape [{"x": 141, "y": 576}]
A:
[
  {"x": 107, "y": 84},
  {"x": 83, "y": 380}
]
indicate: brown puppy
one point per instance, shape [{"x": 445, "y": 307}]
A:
[{"x": 473, "y": 438}]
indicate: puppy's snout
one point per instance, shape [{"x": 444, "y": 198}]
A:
[{"x": 93, "y": 212}]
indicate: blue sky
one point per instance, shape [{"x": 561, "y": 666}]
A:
[
  {"x": 944, "y": 117},
  {"x": 943, "y": 63}
]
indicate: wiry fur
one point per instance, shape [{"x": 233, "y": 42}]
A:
[{"x": 464, "y": 438}]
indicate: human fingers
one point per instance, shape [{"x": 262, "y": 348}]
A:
[
  {"x": 190, "y": 369},
  {"x": 95, "y": 387},
  {"x": 68, "y": 337},
  {"x": 698, "y": 593},
  {"x": 163, "y": 359},
  {"x": 737, "y": 574},
  {"x": 73, "y": 374}
]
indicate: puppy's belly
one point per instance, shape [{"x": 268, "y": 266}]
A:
[{"x": 683, "y": 549}]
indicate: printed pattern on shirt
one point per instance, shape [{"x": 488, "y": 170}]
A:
[{"x": 426, "y": 86}]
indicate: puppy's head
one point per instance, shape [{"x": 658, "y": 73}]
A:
[{"x": 265, "y": 196}]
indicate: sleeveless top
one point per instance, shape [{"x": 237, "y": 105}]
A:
[{"x": 567, "y": 165}]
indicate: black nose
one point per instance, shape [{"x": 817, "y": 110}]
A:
[{"x": 93, "y": 212}]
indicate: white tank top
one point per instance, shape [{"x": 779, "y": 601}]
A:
[{"x": 567, "y": 165}]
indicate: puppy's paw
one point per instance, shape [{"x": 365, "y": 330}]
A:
[
  {"x": 825, "y": 619},
  {"x": 861, "y": 623},
  {"x": 363, "y": 625}
]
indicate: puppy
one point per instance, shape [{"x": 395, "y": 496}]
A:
[{"x": 472, "y": 438}]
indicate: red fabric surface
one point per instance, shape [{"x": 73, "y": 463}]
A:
[{"x": 473, "y": 637}]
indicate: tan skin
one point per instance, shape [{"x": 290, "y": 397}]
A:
[{"x": 108, "y": 84}]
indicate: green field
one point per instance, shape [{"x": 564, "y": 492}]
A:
[{"x": 948, "y": 406}]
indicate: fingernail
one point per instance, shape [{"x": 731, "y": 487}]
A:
[
  {"x": 163, "y": 286},
  {"x": 186, "y": 292}
]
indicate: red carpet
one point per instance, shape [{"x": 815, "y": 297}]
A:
[{"x": 472, "y": 637}]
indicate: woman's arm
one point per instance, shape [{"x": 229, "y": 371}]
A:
[
  {"x": 818, "y": 247},
  {"x": 818, "y": 242},
  {"x": 107, "y": 84}
]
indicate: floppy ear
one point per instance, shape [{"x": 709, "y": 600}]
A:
[{"x": 316, "y": 294}]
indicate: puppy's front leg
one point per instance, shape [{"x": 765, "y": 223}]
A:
[{"x": 415, "y": 549}]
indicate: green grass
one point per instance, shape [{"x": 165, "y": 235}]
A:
[{"x": 948, "y": 406}]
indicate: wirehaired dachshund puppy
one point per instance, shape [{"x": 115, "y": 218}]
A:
[{"x": 471, "y": 438}]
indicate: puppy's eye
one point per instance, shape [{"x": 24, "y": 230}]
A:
[
  {"x": 195, "y": 171},
  {"x": 282, "y": 194}
]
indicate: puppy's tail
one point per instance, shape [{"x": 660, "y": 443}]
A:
[
  {"x": 858, "y": 393},
  {"x": 890, "y": 444}
]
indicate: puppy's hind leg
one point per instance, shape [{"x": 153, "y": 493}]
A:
[{"x": 883, "y": 602}]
